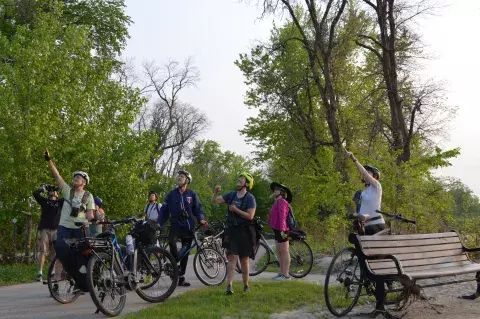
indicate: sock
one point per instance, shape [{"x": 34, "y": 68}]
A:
[{"x": 40, "y": 272}]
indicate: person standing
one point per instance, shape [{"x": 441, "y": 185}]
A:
[
  {"x": 180, "y": 206},
  {"x": 152, "y": 209},
  {"x": 277, "y": 220},
  {"x": 240, "y": 232},
  {"x": 49, "y": 219}
]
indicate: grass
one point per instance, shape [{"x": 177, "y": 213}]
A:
[
  {"x": 19, "y": 273},
  {"x": 264, "y": 299}
]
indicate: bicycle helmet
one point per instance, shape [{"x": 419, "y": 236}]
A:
[
  {"x": 98, "y": 201},
  {"x": 374, "y": 170},
  {"x": 248, "y": 178},
  {"x": 187, "y": 174},
  {"x": 154, "y": 193},
  {"x": 83, "y": 174}
]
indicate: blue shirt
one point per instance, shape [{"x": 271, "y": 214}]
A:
[
  {"x": 244, "y": 203},
  {"x": 175, "y": 203}
]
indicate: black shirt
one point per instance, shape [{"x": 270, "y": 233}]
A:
[{"x": 50, "y": 216}]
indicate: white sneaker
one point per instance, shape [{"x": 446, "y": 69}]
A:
[
  {"x": 283, "y": 277},
  {"x": 83, "y": 269}
]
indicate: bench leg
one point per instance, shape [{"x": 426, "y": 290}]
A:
[
  {"x": 380, "y": 295},
  {"x": 477, "y": 293}
]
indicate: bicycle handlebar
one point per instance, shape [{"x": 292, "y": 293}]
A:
[
  {"x": 112, "y": 222},
  {"x": 397, "y": 216}
]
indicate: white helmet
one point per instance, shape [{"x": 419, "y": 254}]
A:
[
  {"x": 83, "y": 174},
  {"x": 187, "y": 174}
]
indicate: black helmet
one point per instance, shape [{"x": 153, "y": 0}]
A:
[
  {"x": 374, "y": 170},
  {"x": 288, "y": 193}
]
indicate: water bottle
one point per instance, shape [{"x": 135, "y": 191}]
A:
[
  {"x": 183, "y": 250},
  {"x": 130, "y": 244}
]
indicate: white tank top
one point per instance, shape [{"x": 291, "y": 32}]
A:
[{"x": 370, "y": 201}]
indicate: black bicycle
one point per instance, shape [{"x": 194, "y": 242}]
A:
[{"x": 153, "y": 273}]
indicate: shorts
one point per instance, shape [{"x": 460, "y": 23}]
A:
[
  {"x": 373, "y": 229},
  {"x": 280, "y": 236},
  {"x": 239, "y": 241},
  {"x": 46, "y": 239}
]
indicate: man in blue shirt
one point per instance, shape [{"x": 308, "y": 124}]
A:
[{"x": 180, "y": 206}]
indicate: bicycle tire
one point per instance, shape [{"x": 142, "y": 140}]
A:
[
  {"x": 212, "y": 259},
  {"x": 103, "y": 280},
  {"x": 166, "y": 264},
  {"x": 263, "y": 263},
  {"x": 70, "y": 295},
  {"x": 304, "y": 261},
  {"x": 345, "y": 282}
]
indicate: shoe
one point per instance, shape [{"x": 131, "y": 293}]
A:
[
  {"x": 277, "y": 276},
  {"x": 83, "y": 269},
  {"x": 471, "y": 297},
  {"x": 246, "y": 288},
  {"x": 229, "y": 290},
  {"x": 283, "y": 277},
  {"x": 39, "y": 277},
  {"x": 182, "y": 282}
]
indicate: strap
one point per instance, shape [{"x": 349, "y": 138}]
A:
[
  {"x": 374, "y": 218},
  {"x": 85, "y": 197}
]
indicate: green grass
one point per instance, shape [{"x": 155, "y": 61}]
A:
[
  {"x": 264, "y": 299},
  {"x": 19, "y": 273}
]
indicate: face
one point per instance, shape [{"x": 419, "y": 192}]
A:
[
  {"x": 53, "y": 195},
  {"x": 241, "y": 182},
  {"x": 181, "y": 179},
  {"x": 277, "y": 191},
  {"x": 152, "y": 197},
  {"x": 78, "y": 180}
]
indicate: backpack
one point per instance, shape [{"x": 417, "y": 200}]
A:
[
  {"x": 291, "y": 221},
  {"x": 72, "y": 194}
]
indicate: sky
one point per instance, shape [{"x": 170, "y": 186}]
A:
[{"x": 215, "y": 32}]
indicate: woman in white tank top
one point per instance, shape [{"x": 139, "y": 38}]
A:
[{"x": 371, "y": 198}]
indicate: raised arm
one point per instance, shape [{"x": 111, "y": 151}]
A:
[
  {"x": 216, "y": 198},
  {"x": 53, "y": 169},
  {"x": 369, "y": 179}
]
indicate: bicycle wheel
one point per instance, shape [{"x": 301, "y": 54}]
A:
[
  {"x": 106, "y": 284},
  {"x": 301, "y": 258},
  {"x": 210, "y": 266},
  {"x": 343, "y": 282},
  {"x": 60, "y": 284},
  {"x": 259, "y": 263},
  {"x": 158, "y": 273}
]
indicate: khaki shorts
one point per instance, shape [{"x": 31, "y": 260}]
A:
[{"x": 45, "y": 241}]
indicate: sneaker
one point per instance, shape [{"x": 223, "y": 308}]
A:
[
  {"x": 229, "y": 290},
  {"x": 283, "y": 277},
  {"x": 246, "y": 288},
  {"x": 39, "y": 277},
  {"x": 182, "y": 282},
  {"x": 83, "y": 269},
  {"x": 277, "y": 276}
]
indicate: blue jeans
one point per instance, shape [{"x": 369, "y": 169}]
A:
[{"x": 71, "y": 260}]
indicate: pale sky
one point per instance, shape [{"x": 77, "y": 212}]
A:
[{"x": 215, "y": 32}]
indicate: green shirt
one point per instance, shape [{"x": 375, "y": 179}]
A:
[{"x": 65, "y": 219}]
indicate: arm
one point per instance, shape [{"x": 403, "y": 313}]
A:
[
  {"x": 53, "y": 169},
  {"x": 164, "y": 214},
  {"x": 197, "y": 209},
  {"x": 251, "y": 207},
  {"x": 39, "y": 198},
  {"x": 216, "y": 198},
  {"x": 363, "y": 172}
]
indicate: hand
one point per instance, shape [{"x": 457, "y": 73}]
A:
[
  {"x": 46, "y": 155},
  {"x": 232, "y": 208},
  {"x": 204, "y": 223},
  {"x": 350, "y": 155},
  {"x": 218, "y": 189}
]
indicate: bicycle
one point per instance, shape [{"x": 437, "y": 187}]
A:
[
  {"x": 345, "y": 278},
  {"x": 301, "y": 255}
]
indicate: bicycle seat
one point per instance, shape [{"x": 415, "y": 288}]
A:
[{"x": 356, "y": 216}]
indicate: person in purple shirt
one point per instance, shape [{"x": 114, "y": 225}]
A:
[{"x": 180, "y": 206}]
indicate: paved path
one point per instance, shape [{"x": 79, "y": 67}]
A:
[{"x": 33, "y": 301}]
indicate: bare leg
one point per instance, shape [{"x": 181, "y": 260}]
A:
[
  {"x": 284, "y": 258},
  {"x": 245, "y": 270},
  {"x": 41, "y": 260},
  {"x": 232, "y": 262}
]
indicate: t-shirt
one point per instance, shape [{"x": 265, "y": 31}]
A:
[
  {"x": 244, "y": 203},
  {"x": 65, "y": 219},
  {"x": 49, "y": 218},
  {"x": 96, "y": 230},
  {"x": 277, "y": 219},
  {"x": 152, "y": 210},
  {"x": 370, "y": 201}
]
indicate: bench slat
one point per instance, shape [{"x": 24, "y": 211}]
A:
[
  {"x": 406, "y": 250},
  {"x": 444, "y": 272},
  {"x": 407, "y": 237},
  {"x": 419, "y": 262},
  {"x": 422, "y": 268},
  {"x": 409, "y": 243}
]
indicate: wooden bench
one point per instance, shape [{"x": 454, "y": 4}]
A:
[{"x": 408, "y": 258}]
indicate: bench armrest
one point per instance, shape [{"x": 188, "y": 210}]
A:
[
  {"x": 387, "y": 256},
  {"x": 471, "y": 250}
]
